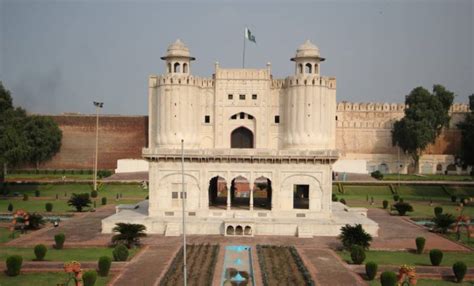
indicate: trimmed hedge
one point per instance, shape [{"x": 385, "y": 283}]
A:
[
  {"x": 459, "y": 270},
  {"x": 357, "y": 254},
  {"x": 59, "y": 240},
  {"x": 385, "y": 204},
  {"x": 436, "y": 256},
  {"x": 420, "y": 244},
  {"x": 438, "y": 211},
  {"x": 48, "y": 207},
  {"x": 120, "y": 253},
  {"x": 14, "y": 263},
  {"x": 371, "y": 270},
  {"x": 40, "y": 251},
  {"x": 103, "y": 265},
  {"x": 388, "y": 278},
  {"x": 89, "y": 278}
]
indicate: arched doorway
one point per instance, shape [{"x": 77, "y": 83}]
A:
[
  {"x": 217, "y": 192},
  {"x": 241, "y": 138},
  {"x": 262, "y": 193},
  {"x": 240, "y": 193}
]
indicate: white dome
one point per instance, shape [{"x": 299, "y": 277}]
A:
[
  {"x": 307, "y": 50},
  {"x": 177, "y": 49}
]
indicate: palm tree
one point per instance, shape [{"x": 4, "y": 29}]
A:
[
  {"x": 128, "y": 233},
  {"x": 79, "y": 201}
]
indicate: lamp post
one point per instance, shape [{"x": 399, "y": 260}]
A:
[{"x": 98, "y": 106}]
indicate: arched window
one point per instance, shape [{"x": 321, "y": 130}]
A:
[
  {"x": 300, "y": 68},
  {"x": 230, "y": 230},
  {"x": 241, "y": 138},
  {"x": 185, "y": 68},
  {"x": 309, "y": 68},
  {"x": 169, "y": 67},
  {"x": 177, "y": 68}
]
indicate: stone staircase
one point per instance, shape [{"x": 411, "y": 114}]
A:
[{"x": 173, "y": 229}]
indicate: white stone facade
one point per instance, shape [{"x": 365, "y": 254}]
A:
[{"x": 245, "y": 134}]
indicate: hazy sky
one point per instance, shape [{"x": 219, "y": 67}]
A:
[{"x": 59, "y": 56}]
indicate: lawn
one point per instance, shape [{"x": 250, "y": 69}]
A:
[
  {"x": 430, "y": 282},
  {"x": 428, "y": 177},
  {"x": 66, "y": 254},
  {"x": 131, "y": 193},
  {"x": 4, "y": 235},
  {"x": 19, "y": 177},
  {"x": 42, "y": 279},
  {"x": 402, "y": 257}
]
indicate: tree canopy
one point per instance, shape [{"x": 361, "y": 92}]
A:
[
  {"x": 467, "y": 132},
  {"x": 425, "y": 116},
  {"x": 43, "y": 138}
]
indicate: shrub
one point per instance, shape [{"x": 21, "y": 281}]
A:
[
  {"x": 377, "y": 175},
  {"x": 14, "y": 265},
  {"x": 388, "y": 278},
  {"x": 94, "y": 194},
  {"x": 128, "y": 233},
  {"x": 371, "y": 270},
  {"x": 396, "y": 198},
  {"x": 48, "y": 207},
  {"x": 104, "y": 201},
  {"x": 436, "y": 256},
  {"x": 342, "y": 200},
  {"x": 420, "y": 244},
  {"x": 79, "y": 201},
  {"x": 438, "y": 211},
  {"x": 25, "y": 197},
  {"x": 357, "y": 254},
  {"x": 10, "y": 207},
  {"x": 334, "y": 198},
  {"x": 104, "y": 265},
  {"x": 354, "y": 235},
  {"x": 459, "y": 269},
  {"x": 89, "y": 278},
  {"x": 385, "y": 204},
  {"x": 454, "y": 199},
  {"x": 35, "y": 221},
  {"x": 443, "y": 222},
  {"x": 40, "y": 251},
  {"x": 104, "y": 173},
  {"x": 120, "y": 253},
  {"x": 59, "y": 240},
  {"x": 402, "y": 208},
  {"x": 37, "y": 193}
]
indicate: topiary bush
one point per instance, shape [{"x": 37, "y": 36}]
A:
[
  {"x": 396, "y": 198},
  {"x": 357, "y": 254},
  {"x": 420, "y": 244},
  {"x": 120, "y": 253},
  {"x": 14, "y": 263},
  {"x": 89, "y": 278},
  {"x": 37, "y": 193},
  {"x": 438, "y": 211},
  {"x": 40, "y": 251},
  {"x": 459, "y": 269},
  {"x": 377, "y": 175},
  {"x": 104, "y": 201},
  {"x": 25, "y": 197},
  {"x": 334, "y": 198},
  {"x": 371, "y": 270},
  {"x": 104, "y": 265},
  {"x": 354, "y": 235},
  {"x": 59, "y": 240},
  {"x": 388, "y": 278},
  {"x": 402, "y": 208},
  {"x": 94, "y": 194},
  {"x": 385, "y": 204},
  {"x": 10, "y": 207},
  {"x": 49, "y": 207},
  {"x": 436, "y": 256}
]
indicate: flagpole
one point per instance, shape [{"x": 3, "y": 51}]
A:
[
  {"x": 243, "y": 56},
  {"x": 183, "y": 201}
]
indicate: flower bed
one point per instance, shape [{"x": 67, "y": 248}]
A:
[
  {"x": 201, "y": 261},
  {"x": 282, "y": 264}
]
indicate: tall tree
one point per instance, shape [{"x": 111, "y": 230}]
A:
[
  {"x": 425, "y": 116},
  {"x": 43, "y": 138},
  {"x": 467, "y": 132}
]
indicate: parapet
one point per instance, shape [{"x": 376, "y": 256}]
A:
[{"x": 174, "y": 79}]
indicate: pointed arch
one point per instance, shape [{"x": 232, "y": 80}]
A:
[{"x": 241, "y": 137}]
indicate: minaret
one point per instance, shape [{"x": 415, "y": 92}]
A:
[
  {"x": 310, "y": 103},
  {"x": 178, "y": 58}
]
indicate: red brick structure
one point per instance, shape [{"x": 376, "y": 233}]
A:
[{"x": 120, "y": 137}]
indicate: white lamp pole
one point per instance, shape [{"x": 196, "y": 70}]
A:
[{"x": 98, "y": 106}]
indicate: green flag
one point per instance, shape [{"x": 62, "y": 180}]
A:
[{"x": 249, "y": 36}]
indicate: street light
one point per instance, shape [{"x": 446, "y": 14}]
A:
[{"x": 98, "y": 106}]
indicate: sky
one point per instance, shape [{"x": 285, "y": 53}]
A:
[{"x": 59, "y": 56}]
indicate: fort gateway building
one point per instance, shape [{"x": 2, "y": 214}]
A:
[{"x": 258, "y": 152}]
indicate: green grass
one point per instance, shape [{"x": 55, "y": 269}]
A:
[
  {"x": 464, "y": 240},
  {"x": 430, "y": 177},
  {"x": 66, "y": 254},
  {"x": 50, "y": 176},
  {"x": 42, "y": 279},
  {"x": 4, "y": 235},
  {"x": 402, "y": 257},
  {"x": 131, "y": 193},
  {"x": 429, "y": 282}
]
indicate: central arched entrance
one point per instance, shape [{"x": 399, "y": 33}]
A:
[{"x": 241, "y": 138}]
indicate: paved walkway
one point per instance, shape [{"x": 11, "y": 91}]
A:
[
  {"x": 82, "y": 230},
  {"x": 397, "y": 233}
]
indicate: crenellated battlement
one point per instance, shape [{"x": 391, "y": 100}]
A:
[
  {"x": 311, "y": 80},
  {"x": 389, "y": 107},
  {"x": 243, "y": 74},
  {"x": 179, "y": 79}
]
